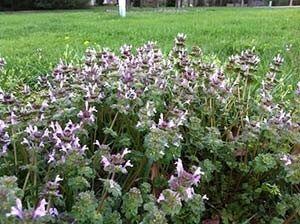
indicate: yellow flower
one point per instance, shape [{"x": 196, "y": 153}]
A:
[{"x": 86, "y": 42}]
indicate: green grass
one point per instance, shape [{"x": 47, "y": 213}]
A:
[{"x": 32, "y": 42}]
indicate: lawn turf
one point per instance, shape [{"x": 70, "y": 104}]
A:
[{"x": 33, "y": 42}]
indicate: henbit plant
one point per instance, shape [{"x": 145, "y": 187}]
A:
[{"x": 95, "y": 142}]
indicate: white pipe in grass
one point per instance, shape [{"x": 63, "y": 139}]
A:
[{"x": 122, "y": 8}]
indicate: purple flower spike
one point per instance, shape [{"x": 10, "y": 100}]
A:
[
  {"x": 287, "y": 159},
  {"x": 40, "y": 211},
  {"x": 184, "y": 181},
  {"x": 87, "y": 116},
  {"x": 6, "y": 98},
  {"x": 4, "y": 138},
  {"x": 298, "y": 89},
  {"x": 36, "y": 138},
  {"x": 17, "y": 210},
  {"x": 162, "y": 123},
  {"x": 116, "y": 162},
  {"x": 52, "y": 187},
  {"x": 65, "y": 141},
  {"x": 2, "y": 63}
]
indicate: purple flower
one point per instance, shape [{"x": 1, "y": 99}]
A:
[
  {"x": 53, "y": 212},
  {"x": 127, "y": 75},
  {"x": 4, "y": 138},
  {"x": 167, "y": 194},
  {"x": 87, "y": 116},
  {"x": 65, "y": 141},
  {"x": 130, "y": 94},
  {"x": 162, "y": 123},
  {"x": 6, "y": 98},
  {"x": 161, "y": 198},
  {"x": 92, "y": 73},
  {"x": 287, "y": 159},
  {"x": 278, "y": 60},
  {"x": 36, "y": 138},
  {"x": 125, "y": 91},
  {"x": 52, "y": 187},
  {"x": 180, "y": 39},
  {"x": 2, "y": 63},
  {"x": 3, "y": 126},
  {"x": 40, "y": 211},
  {"x": 93, "y": 92},
  {"x": 184, "y": 181},
  {"x": 64, "y": 135},
  {"x": 189, "y": 74},
  {"x": 116, "y": 162},
  {"x": 281, "y": 119},
  {"x": 44, "y": 106},
  {"x": 17, "y": 210},
  {"x": 246, "y": 62},
  {"x": 61, "y": 71},
  {"x": 126, "y": 50},
  {"x": 26, "y": 89},
  {"x": 298, "y": 89}
]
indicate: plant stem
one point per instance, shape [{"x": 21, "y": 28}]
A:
[
  {"x": 26, "y": 180},
  {"x": 111, "y": 126},
  {"x": 49, "y": 204},
  {"x": 15, "y": 149},
  {"x": 104, "y": 195},
  {"x": 290, "y": 218},
  {"x": 35, "y": 170}
]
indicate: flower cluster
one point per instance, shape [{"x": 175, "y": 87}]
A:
[
  {"x": 7, "y": 98},
  {"x": 52, "y": 188},
  {"x": 114, "y": 163},
  {"x": 4, "y": 138},
  {"x": 219, "y": 85},
  {"x": 2, "y": 63},
  {"x": 65, "y": 140},
  {"x": 36, "y": 138},
  {"x": 245, "y": 63},
  {"x": 287, "y": 159},
  {"x": 276, "y": 63},
  {"x": 39, "y": 212},
  {"x": 181, "y": 185},
  {"x": 298, "y": 89},
  {"x": 86, "y": 115}
]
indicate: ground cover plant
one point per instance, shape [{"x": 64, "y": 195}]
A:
[
  {"x": 32, "y": 42},
  {"x": 139, "y": 137}
]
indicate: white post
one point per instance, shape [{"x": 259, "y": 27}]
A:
[
  {"x": 270, "y": 3},
  {"x": 122, "y": 8},
  {"x": 92, "y": 2}
]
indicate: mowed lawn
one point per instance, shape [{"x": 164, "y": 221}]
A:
[{"x": 33, "y": 42}]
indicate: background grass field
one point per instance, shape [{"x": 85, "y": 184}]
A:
[{"x": 33, "y": 42}]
